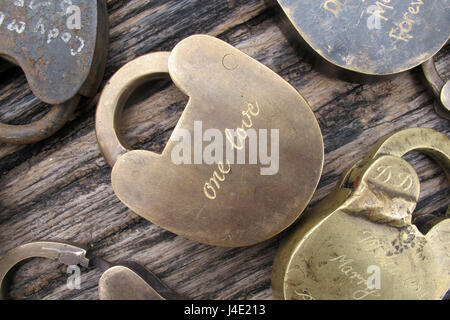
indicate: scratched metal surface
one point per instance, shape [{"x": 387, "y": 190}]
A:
[
  {"x": 59, "y": 49},
  {"x": 60, "y": 188},
  {"x": 374, "y": 37}
]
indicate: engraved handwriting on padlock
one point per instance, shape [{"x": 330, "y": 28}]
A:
[
  {"x": 66, "y": 8},
  {"x": 236, "y": 151},
  {"x": 379, "y": 10},
  {"x": 401, "y": 180},
  {"x": 253, "y": 110},
  {"x": 60, "y": 45},
  {"x": 333, "y": 6},
  {"x": 334, "y": 29},
  {"x": 17, "y": 26},
  {"x": 70, "y": 12},
  {"x": 219, "y": 202},
  {"x": 403, "y": 29},
  {"x": 209, "y": 189},
  {"x": 368, "y": 228},
  {"x": 365, "y": 287},
  {"x": 386, "y": 192}
]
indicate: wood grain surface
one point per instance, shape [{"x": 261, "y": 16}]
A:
[{"x": 60, "y": 188}]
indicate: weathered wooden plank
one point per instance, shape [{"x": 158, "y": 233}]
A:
[{"x": 60, "y": 188}]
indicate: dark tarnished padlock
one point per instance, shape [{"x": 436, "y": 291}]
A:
[
  {"x": 61, "y": 45},
  {"x": 370, "y": 38},
  {"x": 360, "y": 243},
  {"x": 124, "y": 281},
  {"x": 220, "y": 203}
]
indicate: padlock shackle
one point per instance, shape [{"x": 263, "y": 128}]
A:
[
  {"x": 149, "y": 67},
  {"x": 364, "y": 222},
  {"x": 431, "y": 142},
  {"x": 39, "y": 130},
  {"x": 68, "y": 254},
  {"x": 439, "y": 88},
  {"x": 62, "y": 88}
]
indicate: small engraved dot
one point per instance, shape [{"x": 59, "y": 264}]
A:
[{"x": 229, "y": 61}]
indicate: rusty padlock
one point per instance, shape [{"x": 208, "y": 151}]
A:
[
  {"x": 123, "y": 281},
  {"x": 61, "y": 45},
  {"x": 362, "y": 40},
  {"x": 360, "y": 243},
  {"x": 226, "y": 192}
]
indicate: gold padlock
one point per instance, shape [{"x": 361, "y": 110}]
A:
[
  {"x": 360, "y": 243},
  {"x": 231, "y": 196}
]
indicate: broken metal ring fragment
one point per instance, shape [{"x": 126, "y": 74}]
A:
[
  {"x": 239, "y": 105},
  {"x": 359, "y": 242},
  {"x": 67, "y": 254},
  {"x": 123, "y": 281},
  {"x": 61, "y": 46}
]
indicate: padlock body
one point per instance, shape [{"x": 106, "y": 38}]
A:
[
  {"x": 60, "y": 45},
  {"x": 227, "y": 203},
  {"x": 352, "y": 258},
  {"x": 371, "y": 38}
]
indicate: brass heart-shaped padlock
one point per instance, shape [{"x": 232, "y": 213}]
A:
[
  {"x": 61, "y": 45},
  {"x": 238, "y": 108},
  {"x": 359, "y": 242}
]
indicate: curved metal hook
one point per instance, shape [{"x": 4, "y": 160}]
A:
[
  {"x": 433, "y": 143},
  {"x": 67, "y": 254},
  {"x": 41, "y": 129},
  {"x": 115, "y": 94}
]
